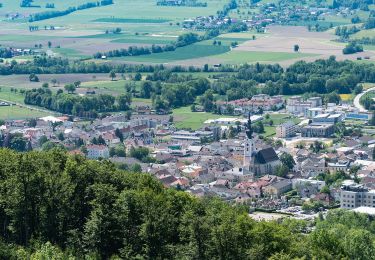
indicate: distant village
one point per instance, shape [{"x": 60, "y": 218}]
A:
[{"x": 287, "y": 172}]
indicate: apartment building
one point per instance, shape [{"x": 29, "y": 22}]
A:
[
  {"x": 356, "y": 195},
  {"x": 286, "y": 130},
  {"x": 296, "y": 105}
]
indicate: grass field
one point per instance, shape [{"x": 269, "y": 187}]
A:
[
  {"x": 127, "y": 20},
  {"x": 6, "y": 94},
  {"x": 16, "y": 112},
  {"x": 184, "y": 118},
  {"x": 145, "y": 40},
  {"x": 184, "y": 53},
  {"x": 235, "y": 57},
  {"x": 70, "y": 53}
]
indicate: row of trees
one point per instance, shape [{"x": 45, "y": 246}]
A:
[
  {"x": 87, "y": 106},
  {"x": 69, "y": 10},
  {"x": 55, "y": 206},
  {"x": 183, "y": 40},
  {"x": 52, "y": 65}
]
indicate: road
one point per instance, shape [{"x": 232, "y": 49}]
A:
[{"x": 357, "y": 98}]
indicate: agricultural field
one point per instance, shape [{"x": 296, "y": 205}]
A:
[{"x": 81, "y": 34}]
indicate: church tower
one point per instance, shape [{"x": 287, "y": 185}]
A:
[{"x": 249, "y": 144}]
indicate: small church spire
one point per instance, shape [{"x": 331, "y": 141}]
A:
[{"x": 249, "y": 128}]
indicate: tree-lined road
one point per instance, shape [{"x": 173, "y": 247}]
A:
[{"x": 357, "y": 98}]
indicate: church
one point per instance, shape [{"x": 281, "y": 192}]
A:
[{"x": 258, "y": 162}]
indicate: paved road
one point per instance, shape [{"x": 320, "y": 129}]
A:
[{"x": 356, "y": 102}]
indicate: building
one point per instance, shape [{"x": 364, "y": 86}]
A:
[
  {"x": 338, "y": 166},
  {"x": 258, "y": 162},
  {"x": 358, "y": 116},
  {"x": 296, "y": 105},
  {"x": 318, "y": 130},
  {"x": 264, "y": 161},
  {"x": 313, "y": 112},
  {"x": 356, "y": 195},
  {"x": 255, "y": 104},
  {"x": 286, "y": 130},
  {"x": 328, "y": 118},
  {"x": 97, "y": 151},
  {"x": 192, "y": 136},
  {"x": 278, "y": 188}
]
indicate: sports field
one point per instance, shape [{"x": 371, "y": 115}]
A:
[
  {"x": 16, "y": 112},
  {"x": 184, "y": 118}
]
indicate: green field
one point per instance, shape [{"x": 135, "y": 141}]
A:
[
  {"x": 146, "y": 40},
  {"x": 184, "y": 53},
  {"x": 127, "y": 20},
  {"x": 184, "y": 118},
  {"x": 8, "y": 95},
  {"x": 69, "y": 53},
  {"x": 16, "y": 112},
  {"x": 235, "y": 57}
]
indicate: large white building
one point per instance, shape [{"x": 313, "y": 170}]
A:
[
  {"x": 97, "y": 151},
  {"x": 356, "y": 195},
  {"x": 286, "y": 130},
  {"x": 296, "y": 105}
]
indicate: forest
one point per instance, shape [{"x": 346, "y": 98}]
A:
[
  {"x": 86, "y": 106},
  {"x": 56, "y": 206}
]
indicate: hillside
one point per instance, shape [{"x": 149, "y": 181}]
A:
[{"x": 54, "y": 206}]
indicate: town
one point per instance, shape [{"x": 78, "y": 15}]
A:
[{"x": 316, "y": 160}]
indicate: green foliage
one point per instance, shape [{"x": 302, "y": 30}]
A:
[
  {"x": 352, "y": 48},
  {"x": 87, "y": 106},
  {"x": 55, "y": 206}
]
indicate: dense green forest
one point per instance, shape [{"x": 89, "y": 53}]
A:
[
  {"x": 86, "y": 106},
  {"x": 55, "y": 206}
]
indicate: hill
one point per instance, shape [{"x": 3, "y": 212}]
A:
[{"x": 55, "y": 206}]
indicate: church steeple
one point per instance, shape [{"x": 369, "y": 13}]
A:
[
  {"x": 249, "y": 128},
  {"x": 249, "y": 144}
]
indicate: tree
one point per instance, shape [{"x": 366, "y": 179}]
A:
[
  {"x": 287, "y": 160},
  {"x": 33, "y": 78},
  {"x": 296, "y": 47},
  {"x": 124, "y": 101},
  {"x": 70, "y": 88},
  {"x": 18, "y": 143},
  {"x": 119, "y": 134},
  {"x": 49, "y": 44},
  {"x": 112, "y": 75},
  {"x": 258, "y": 127},
  {"x": 281, "y": 170},
  {"x": 372, "y": 120},
  {"x": 77, "y": 84},
  {"x": 146, "y": 89},
  {"x": 138, "y": 76}
]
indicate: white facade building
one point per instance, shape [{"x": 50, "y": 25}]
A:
[
  {"x": 97, "y": 151},
  {"x": 286, "y": 130}
]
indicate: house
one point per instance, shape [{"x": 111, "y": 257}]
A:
[
  {"x": 312, "y": 166},
  {"x": 278, "y": 188},
  {"x": 97, "y": 151}
]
